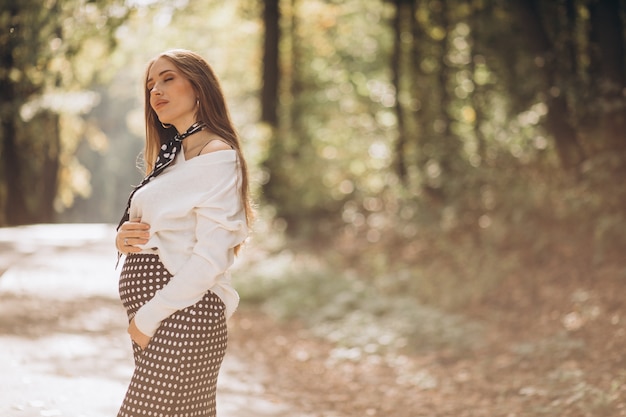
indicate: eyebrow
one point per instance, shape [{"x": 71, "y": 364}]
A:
[{"x": 160, "y": 73}]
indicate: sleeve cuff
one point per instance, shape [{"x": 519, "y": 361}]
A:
[{"x": 147, "y": 320}]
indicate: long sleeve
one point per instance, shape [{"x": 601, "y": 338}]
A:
[{"x": 219, "y": 227}]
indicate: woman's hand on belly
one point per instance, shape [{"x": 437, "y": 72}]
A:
[
  {"x": 135, "y": 334},
  {"x": 131, "y": 234}
]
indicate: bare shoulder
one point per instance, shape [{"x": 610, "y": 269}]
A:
[{"x": 217, "y": 144}]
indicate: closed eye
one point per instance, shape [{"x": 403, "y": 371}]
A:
[{"x": 167, "y": 77}]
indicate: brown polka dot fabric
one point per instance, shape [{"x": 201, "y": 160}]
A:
[{"x": 176, "y": 375}]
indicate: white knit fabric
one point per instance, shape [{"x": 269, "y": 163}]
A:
[{"x": 196, "y": 220}]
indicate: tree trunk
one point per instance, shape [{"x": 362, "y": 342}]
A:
[
  {"x": 49, "y": 170},
  {"x": 402, "y": 18},
  {"x": 420, "y": 90},
  {"x": 271, "y": 67},
  {"x": 448, "y": 150},
  {"x": 609, "y": 69},
  {"x": 570, "y": 36},
  {"x": 477, "y": 96},
  {"x": 16, "y": 211},
  {"x": 557, "y": 120},
  {"x": 14, "y": 207}
]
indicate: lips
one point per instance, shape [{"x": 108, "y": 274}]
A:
[{"x": 159, "y": 103}]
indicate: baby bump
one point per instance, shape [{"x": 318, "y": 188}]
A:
[{"x": 141, "y": 277}]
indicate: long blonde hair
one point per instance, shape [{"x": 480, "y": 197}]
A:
[{"x": 212, "y": 110}]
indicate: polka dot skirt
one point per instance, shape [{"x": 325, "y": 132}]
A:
[{"x": 176, "y": 375}]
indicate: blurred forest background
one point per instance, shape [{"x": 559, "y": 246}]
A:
[{"x": 409, "y": 157}]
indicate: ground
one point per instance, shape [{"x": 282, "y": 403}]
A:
[
  {"x": 527, "y": 367},
  {"x": 64, "y": 352},
  {"x": 555, "y": 351}
]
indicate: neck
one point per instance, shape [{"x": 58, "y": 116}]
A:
[
  {"x": 194, "y": 128},
  {"x": 183, "y": 124}
]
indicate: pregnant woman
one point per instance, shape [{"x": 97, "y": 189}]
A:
[{"x": 180, "y": 232}]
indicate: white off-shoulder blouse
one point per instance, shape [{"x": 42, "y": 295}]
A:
[{"x": 196, "y": 219}]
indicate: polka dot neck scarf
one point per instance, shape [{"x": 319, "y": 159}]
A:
[{"x": 167, "y": 154}]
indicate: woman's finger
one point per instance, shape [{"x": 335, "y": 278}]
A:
[
  {"x": 137, "y": 336},
  {"x": 132, "y": 233},
  {"x": 128, "y": 226}
]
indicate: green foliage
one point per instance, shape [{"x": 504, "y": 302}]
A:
[
  {"x": 320, "y": 153},
  {"x": 50, "y": 52},
  {"x": 342, "y": 309},
  {"x": 428, "y": 140}
]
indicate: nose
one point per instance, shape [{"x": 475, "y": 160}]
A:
[{"x": 154, "y": 90}]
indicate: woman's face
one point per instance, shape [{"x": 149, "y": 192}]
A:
[{"x": 171, "y": 95}]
